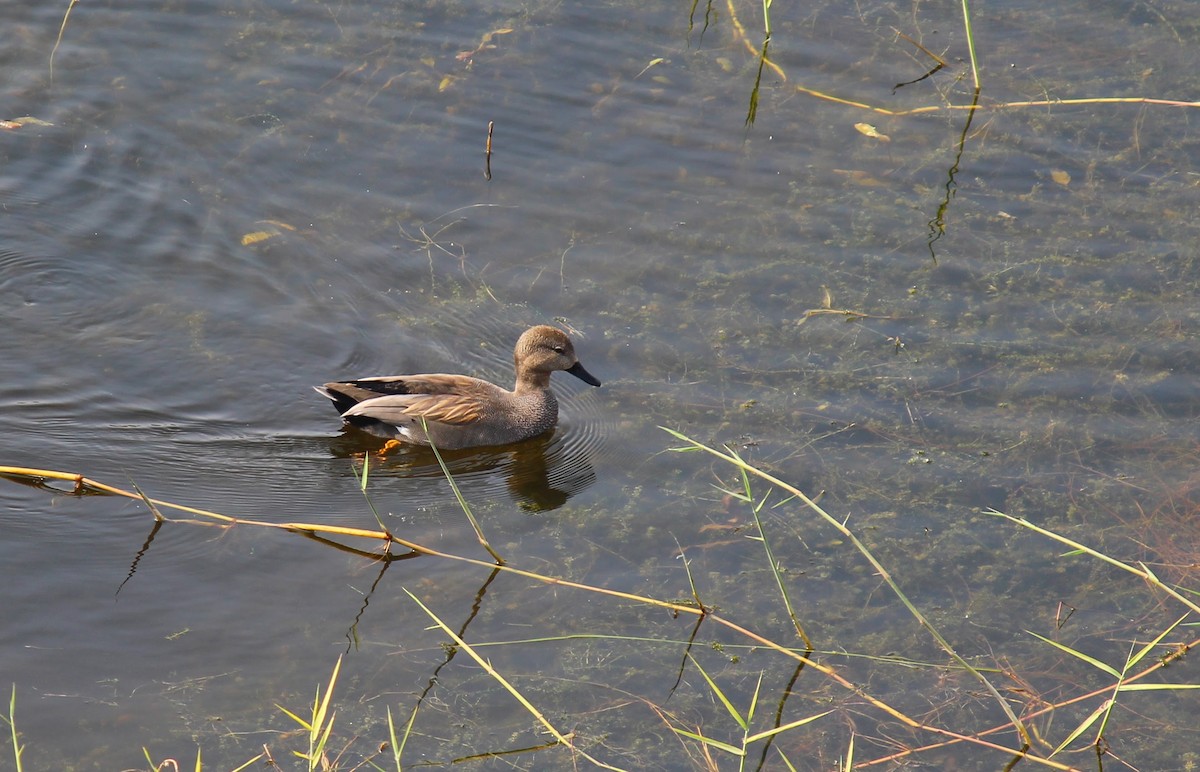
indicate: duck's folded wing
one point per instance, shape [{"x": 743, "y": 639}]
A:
[
  {"x": 400, "y": 409},
  {"x": 346, "y": 393}
]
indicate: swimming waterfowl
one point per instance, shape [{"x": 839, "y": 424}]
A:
[{"x": 460, "y": 411}]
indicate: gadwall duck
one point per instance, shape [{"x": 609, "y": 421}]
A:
[{"x": 460, "y": 411}]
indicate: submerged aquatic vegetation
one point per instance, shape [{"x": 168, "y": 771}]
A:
[{"x": 779, "y": 735}]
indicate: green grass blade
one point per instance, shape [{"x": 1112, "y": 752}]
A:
[
  {"x": 1149, "y": 647},
  {"x": 754, "y": 698},
  {"x": 687, "y": 569},
  {"x": 736, "y": 751},
  {"x": 774, "y": 565},
  {"x": 248, "y": 764},
  {"x": 785, "y": 727},
  {"x": 322, "y": 723},
  {"x": 1083, "y": 727},
  {"x": 12, "y": 725},
  {"x": 307, "y": 726},
  {"x": 398, "y": 747},
  {"x": 1143, "y": 571},
  {"x": 320, "y": 727},
  {"x": 1079, "y": 655},
  {"x": 462, "y": 501},
  {"x": 500, "y": 679},
  {"x": 741, "y": 721},
  {"x": 323, "y": 707},
  {"x": 966, "y": 11},
  {"x": 879, "y": 568},
  {"x": 362, "y": 483},
  {"x": 1130, "y": 662}
]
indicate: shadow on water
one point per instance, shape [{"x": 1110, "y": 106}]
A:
[
  {"x": 937, "y": 224},
  {"x": 540, "y": 474}
]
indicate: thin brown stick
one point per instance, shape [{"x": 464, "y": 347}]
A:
[{"x": 487, "y": 153}]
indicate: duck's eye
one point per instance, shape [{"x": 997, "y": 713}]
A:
[{"x": 558, "y": 349}]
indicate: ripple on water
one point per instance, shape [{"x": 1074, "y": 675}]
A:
[
  {"x": 95, "y": 220},
  {"x": 540, "y": 474},
  {"x": 28, "y": 280}
]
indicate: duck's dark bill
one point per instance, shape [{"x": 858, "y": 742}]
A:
[{"x": 583, "y": 375}]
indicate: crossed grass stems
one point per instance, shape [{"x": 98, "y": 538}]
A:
[{"x": 319, "y": 724}]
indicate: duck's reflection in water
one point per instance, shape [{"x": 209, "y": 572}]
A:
[{"x": 539, "y": 474}]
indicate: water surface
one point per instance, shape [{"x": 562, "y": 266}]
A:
[{"x": 233, "y": 202}]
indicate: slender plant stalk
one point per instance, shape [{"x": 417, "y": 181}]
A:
[
  {"x": 733, "y": 458},
  {"x": 362, "y": 484},
  {"x": 687, "y": 569},
  {"x": 971, "y": 44},
  {"x": 565, "y": 739},
  {"x": 83, "y": 484},
  {"x": 165, "y": 764},
  {"x": 1104, "y": 711},
  {"x": 462, "y": 501},
  {"x": 740, "y": 33},
  {"x": 150, "y": 505},
  {"x": 1000, "y": 105},
  {"x": 399, "y": 743},
  {"x": 320, "y": 726},
  {"x": 743, "y": 722},
  {"x": 754, "y": 50},
  {"x": 12, "y": 725},
  {"x": 61, "y": 31},
  {"x": 762, "y": 535},
  {"x": 1142, "y": 571}
]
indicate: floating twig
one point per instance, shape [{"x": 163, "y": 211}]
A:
[{"x": 487, "y": 153}]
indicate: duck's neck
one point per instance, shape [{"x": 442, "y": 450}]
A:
[{"x": 530, "y": 382}]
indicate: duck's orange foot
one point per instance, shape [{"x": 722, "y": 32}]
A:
[{"x": 388, "y": 447}]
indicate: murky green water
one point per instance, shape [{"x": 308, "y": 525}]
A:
[{"x": 236, "y": 201}]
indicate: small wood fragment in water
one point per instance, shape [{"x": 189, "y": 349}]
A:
[{"x": 487, "y": 153}]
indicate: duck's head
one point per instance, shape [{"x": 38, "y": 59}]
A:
[{"x": 544, "y": 349}]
